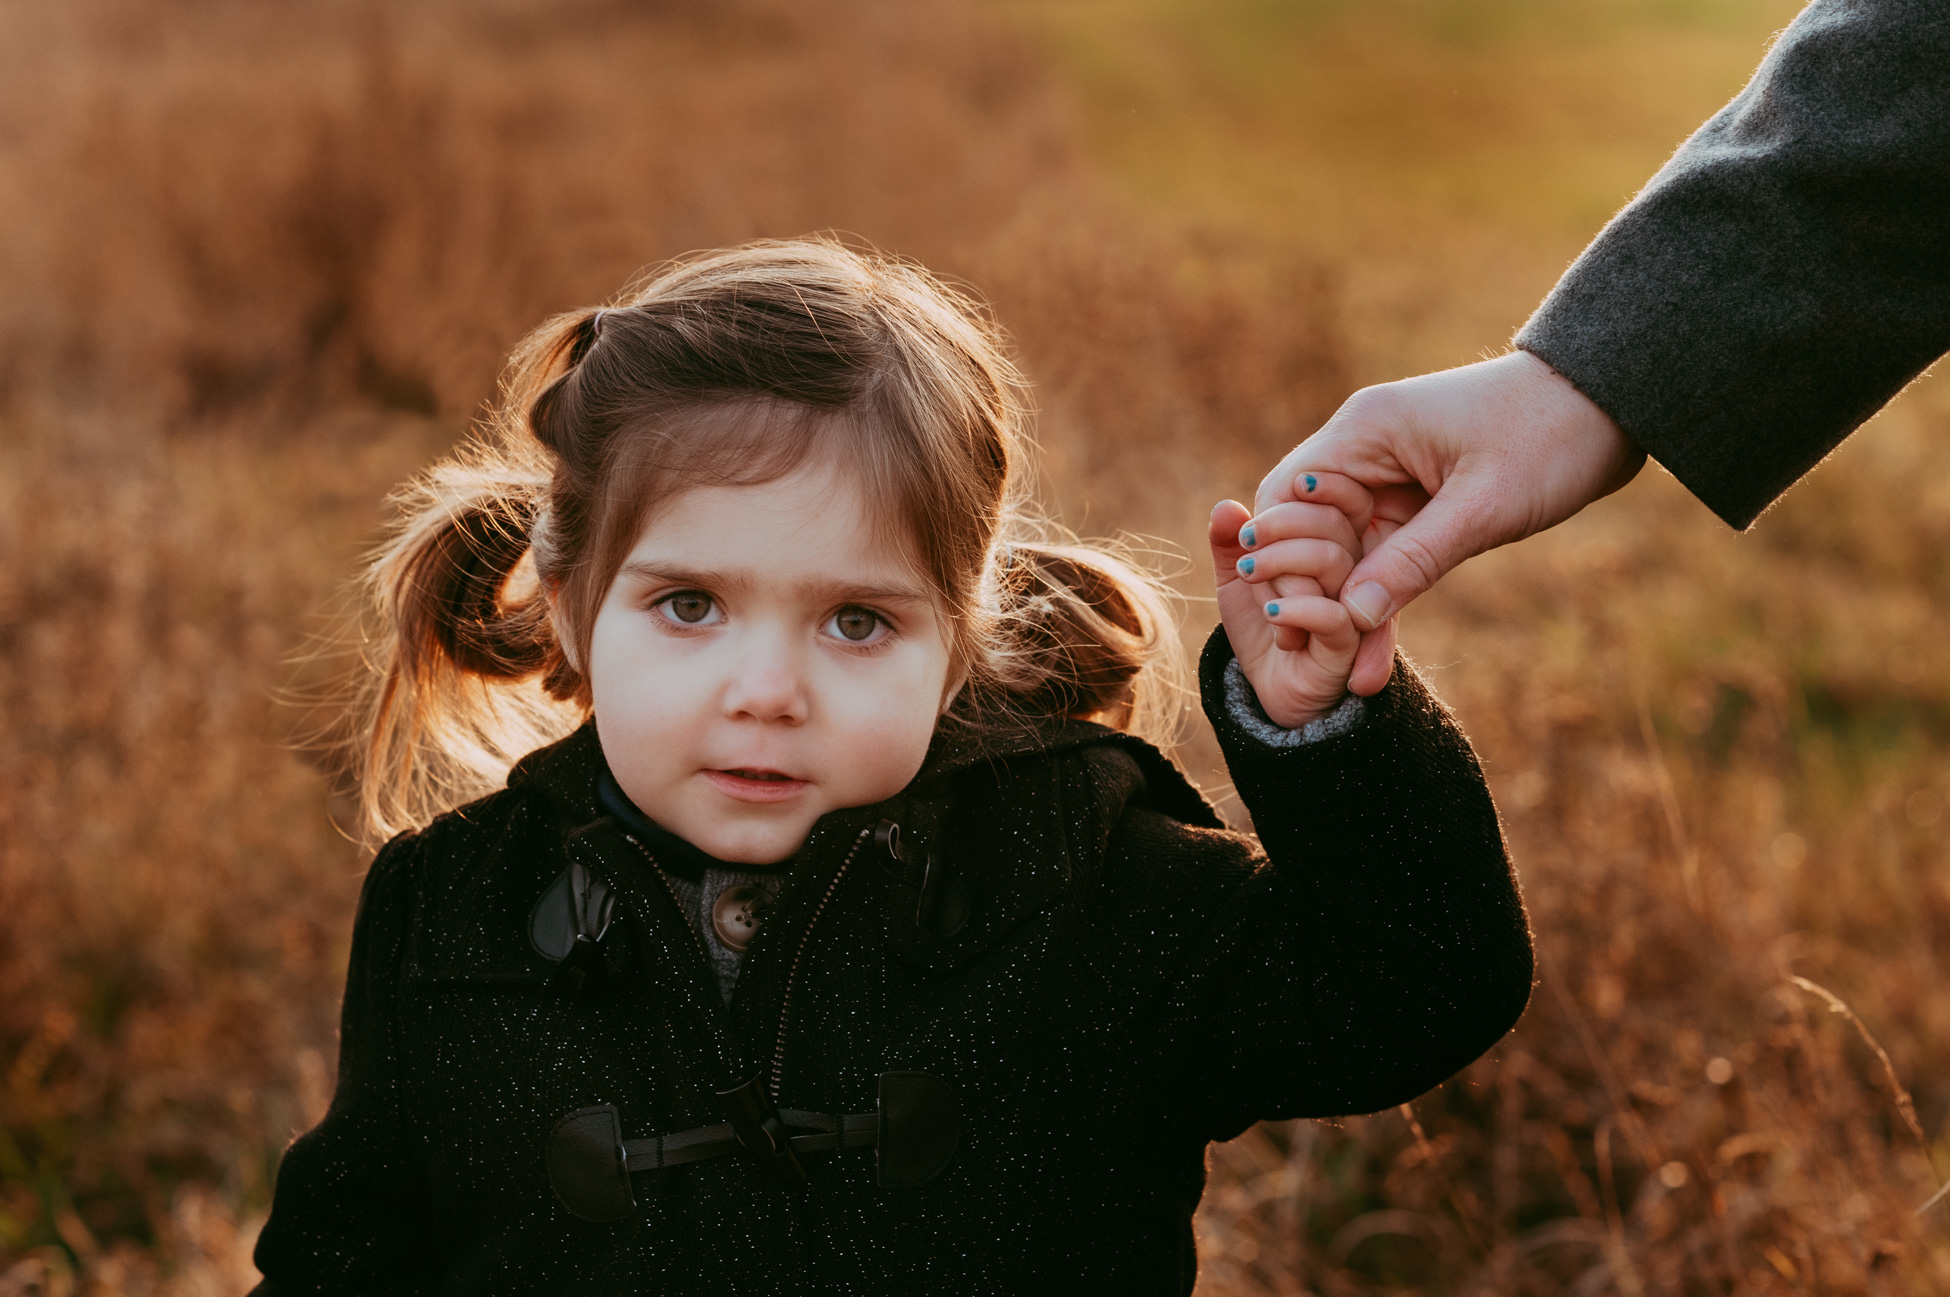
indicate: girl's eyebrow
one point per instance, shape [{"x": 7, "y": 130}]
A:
[{"x": 819, "y": 591}]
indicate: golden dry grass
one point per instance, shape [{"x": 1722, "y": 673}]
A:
[{"x": 261, "y": 262}]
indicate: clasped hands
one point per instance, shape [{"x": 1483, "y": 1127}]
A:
[
  {"x": 1279, "y": 573},
  {"x": 1423, "y": 473}
]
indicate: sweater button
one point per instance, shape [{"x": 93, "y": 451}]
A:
[{"x": 736, "y": 914}]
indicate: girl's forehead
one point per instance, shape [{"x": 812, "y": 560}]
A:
[{"x": 817, "y": 518}]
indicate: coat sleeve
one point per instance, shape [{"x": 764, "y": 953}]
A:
[
  {"x": 351, "y": 1212},
  {"x": 1380, "y": 948},
  {"x": 1787, "y": 272}
]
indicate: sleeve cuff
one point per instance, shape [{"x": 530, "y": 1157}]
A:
[{"x": 1242, "y": 705}]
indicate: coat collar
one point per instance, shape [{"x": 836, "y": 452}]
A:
[{"x": 1016, "y": 825}]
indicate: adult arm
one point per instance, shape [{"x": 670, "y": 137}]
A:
[
  {"x": 1382, "y": 948},
  {"x": 351, "y": 1213},
  {"x": 1788, "y": 272},
  {"x": 1777, "y": 282}
]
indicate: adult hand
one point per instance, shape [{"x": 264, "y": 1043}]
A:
[{"x": 1464, "y": 460}]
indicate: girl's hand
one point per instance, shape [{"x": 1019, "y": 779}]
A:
[{"x": 1279, "y": 579}]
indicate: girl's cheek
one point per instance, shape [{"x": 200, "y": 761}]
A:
[
  {"x": 889, "y": 729},
  {"x": 893, "y": 725},
  {"x": 886, "y": 771}
]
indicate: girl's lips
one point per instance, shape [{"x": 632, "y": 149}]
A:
[{"x": 757, "y": 785}]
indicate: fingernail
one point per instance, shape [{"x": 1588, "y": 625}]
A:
[
  {"x": 1311, "y": 482},
  {"x": 1245, "y": 567},
  {"x": 1369, "y": 601},
  {"x": 1272, "y": 610},
  {"x": 1249, "y": 537}
]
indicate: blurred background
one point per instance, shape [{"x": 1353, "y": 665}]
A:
[{"x": 259, "y": 262}]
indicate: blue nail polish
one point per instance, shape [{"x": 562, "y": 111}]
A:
[
  {"x": 1312, "y": 482},
  {"x": 1245, "y": 567},
  {"x": 1272, "y": 610},
  {"x": 1248, "y": 537}
]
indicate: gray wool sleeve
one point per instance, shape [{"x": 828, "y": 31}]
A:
[
  {"x": 1787, "y": 272},
  {"x": 1242, "y": 705}
]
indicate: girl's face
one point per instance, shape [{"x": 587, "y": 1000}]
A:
[{"x": 762, "y": 659}]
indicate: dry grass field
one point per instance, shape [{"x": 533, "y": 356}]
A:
[{"x": 261, "y": 262}]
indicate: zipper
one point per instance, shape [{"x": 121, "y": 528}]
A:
[{"x": 805, "y": 939}]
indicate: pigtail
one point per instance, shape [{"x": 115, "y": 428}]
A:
[
  {"x": 461, "y": 671},
  {"x": 448, "y": 596},
  {"x": 1081, "y": 630}
]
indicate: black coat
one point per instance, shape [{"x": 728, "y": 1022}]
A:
[
  {"x": 1129, "y": 981},
  {"x": 1787, "y": 272}
]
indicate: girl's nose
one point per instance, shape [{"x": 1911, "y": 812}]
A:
[{"x": 766, "y": 687}]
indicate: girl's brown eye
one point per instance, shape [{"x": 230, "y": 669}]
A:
[
  {"x": 856, "y": 624},
  {"x": 689, "y": 606}
]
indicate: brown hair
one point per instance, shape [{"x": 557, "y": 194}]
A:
[{"x": 733, "y": 368}]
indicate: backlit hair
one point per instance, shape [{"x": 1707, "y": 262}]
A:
[{"x": 734, "y": 368}]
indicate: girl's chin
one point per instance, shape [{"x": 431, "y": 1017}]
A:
[
  {"x": 749, "y": 848},
  {"x": 748, "y": 831}
]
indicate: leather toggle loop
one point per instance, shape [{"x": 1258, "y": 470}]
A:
[
  {"x": 756, "y": 1121},
  {"x": 568, "y": 925},
  {"x": 582, "y": 972},
  {"x": 887, "y": 837},
  {"x": 944, "y": 903},
  {"x": 915, "y": 1130}
]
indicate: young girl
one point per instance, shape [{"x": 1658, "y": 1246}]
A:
[{"x": 855, "y": 942}]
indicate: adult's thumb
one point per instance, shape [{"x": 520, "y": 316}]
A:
[{"x": 1412, "y": 559}]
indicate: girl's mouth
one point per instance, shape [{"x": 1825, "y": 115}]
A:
[{"x": 757, "y": 785}]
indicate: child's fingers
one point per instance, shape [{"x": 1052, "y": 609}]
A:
[
  {"x": 1314, "y": 614},
  {"x": 1335, "y": 641},
  {"x": 1222, "y": 534},
  {"x": 1290, "y": 587},
  {"x": 1332, "y": 641},
  {"x": 1331, "y": 489},
  {"x": 1298, "y": 521},
  {"x": 1325, "y": 562}
]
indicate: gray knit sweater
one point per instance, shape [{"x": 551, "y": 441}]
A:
[{"x": 1788, "y": 272}]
